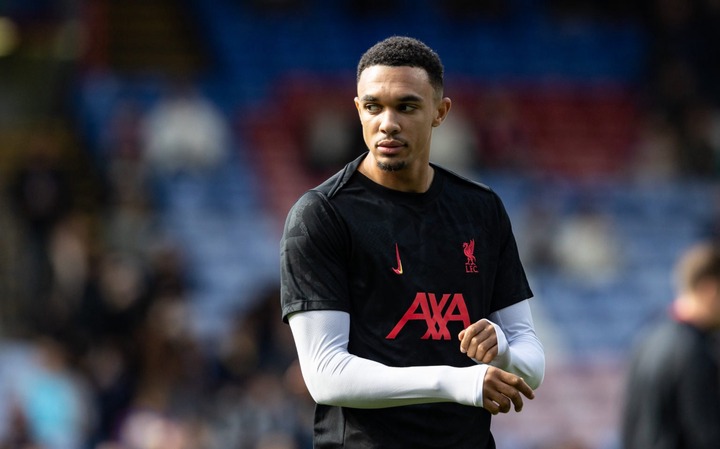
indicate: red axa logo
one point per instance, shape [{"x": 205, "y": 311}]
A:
[{"x": 436, "y": 313}]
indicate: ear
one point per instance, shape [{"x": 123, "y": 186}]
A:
[{"x": 442, "y": 111}]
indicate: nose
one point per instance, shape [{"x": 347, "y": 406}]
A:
[{"x": 389, "y": 124}]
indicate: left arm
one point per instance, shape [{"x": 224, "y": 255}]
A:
[{"x": 507, "y": 340}]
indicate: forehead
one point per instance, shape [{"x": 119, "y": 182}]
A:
[{"x": 379, "y": 80}]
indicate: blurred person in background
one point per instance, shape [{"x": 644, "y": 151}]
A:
[
  {"x": 503, "y": 141},
  {"x": 41, "y": 194},
  {"x": 673, "y": 390},
  {"x": 260, "y": 394},
  {"x": 331, "y": 140},
  {"x": 184, "y": 133},
  {"x": 585, "y": 245},
  {"x": 454, "y": 145},
  {"x": 53, "y": 399},
  {"x": 367, "y": 259}
]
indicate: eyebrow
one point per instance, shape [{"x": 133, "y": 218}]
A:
[{"x": 405, "y": 99}]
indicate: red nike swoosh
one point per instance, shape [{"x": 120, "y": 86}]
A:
[{"x": 399, "y": 269}]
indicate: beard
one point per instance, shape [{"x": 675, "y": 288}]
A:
[{"x": 391, "y": 167}]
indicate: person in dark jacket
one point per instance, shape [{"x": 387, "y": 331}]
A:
[{"x": 673, "y": 388}]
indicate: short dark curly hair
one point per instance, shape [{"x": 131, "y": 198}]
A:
[
  {"x": 401, "y": 51},
  {"x": 699, "y": 263}
]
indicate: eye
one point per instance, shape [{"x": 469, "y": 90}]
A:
[
  {"x": 407, "y": 107},
  {"x": 372, "y": 108}
]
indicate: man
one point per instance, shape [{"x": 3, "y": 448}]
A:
[
  {"x": 673, "y": 390},
  {"x": 390, "y": 261}
]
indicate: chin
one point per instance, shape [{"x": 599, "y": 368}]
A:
[{"x": 391, "y": 166}]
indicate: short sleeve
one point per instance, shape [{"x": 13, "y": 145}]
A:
[
  {"x": 511, "y": 284},
  {"x": 313, "y": 257}
]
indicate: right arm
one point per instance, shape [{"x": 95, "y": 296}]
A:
[{"x": 334, "y": 376}]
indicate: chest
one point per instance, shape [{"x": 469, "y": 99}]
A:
[{"x": 438, "y": 242}]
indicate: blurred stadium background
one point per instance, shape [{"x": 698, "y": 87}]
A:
[{"x": 149, "y": 150}]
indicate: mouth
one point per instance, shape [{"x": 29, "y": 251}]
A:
[{"x": 390, "y": 147}]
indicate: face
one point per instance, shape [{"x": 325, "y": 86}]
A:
[
  {"x": 398, "y": 109},
  {"x": 704, "y": 303}
]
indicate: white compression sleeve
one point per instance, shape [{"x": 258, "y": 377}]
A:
[
  {"x": 519, "y": 349},
  {"x": 335, "y": 377}
]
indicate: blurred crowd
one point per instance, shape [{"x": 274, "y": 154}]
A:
[
  {"x": 680, "y": 134},
  {"x": 97, "y": 344},
  {"x": 99, "y": 349}
]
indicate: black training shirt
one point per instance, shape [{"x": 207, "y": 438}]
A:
[{"x": 412, "y": 270}]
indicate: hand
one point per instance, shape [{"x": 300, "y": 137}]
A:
[
  {"x": 479, "y": 341},
  {"x": 501, "y": 390}
]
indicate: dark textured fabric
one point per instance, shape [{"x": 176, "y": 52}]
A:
[
  {"x": 412, "y": 270},
  {"x": 673, "y": 391}
]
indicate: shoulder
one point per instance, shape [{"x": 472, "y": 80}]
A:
[
  {"x": 668, "y": 340},
  {"x": 334, "y": 184},
  {"x": 469, "y": 194},
  {"x": 462, "y": 181},
  {"x": 318, "y": 199},
  {"x": 467, "y": 191},
  {"x": 312, "y": 210},
  {"x": 318, "y": 211}
]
